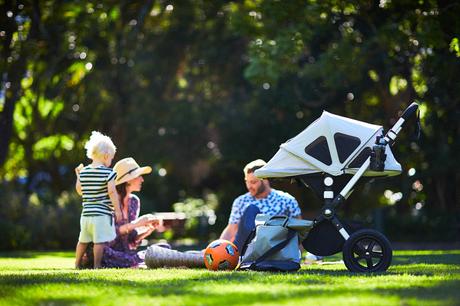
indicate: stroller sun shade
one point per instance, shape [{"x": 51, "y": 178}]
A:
[{"x": 332, "y": 144}]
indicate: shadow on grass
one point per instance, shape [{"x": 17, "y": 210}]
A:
[
  {"x": 61, "y": 301},
  {"x": 447, "y": 259},
  {"x": 35, "y": 254},
  {"x": 405, "y": 262},
  {"x": 346, "y": 273},
  {"x": 243, "y": 288}
]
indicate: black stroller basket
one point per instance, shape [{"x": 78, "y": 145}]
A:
[{"x": 330, "y": 156}]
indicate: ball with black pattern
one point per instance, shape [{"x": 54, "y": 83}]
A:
[{"x": 221, "y": 255}]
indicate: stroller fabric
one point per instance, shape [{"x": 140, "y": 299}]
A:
[
  {"x": 332, "y": 144},
  {"x": 275, "y": 246}
]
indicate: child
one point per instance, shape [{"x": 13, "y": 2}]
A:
[{"x": 96, "y": 184}]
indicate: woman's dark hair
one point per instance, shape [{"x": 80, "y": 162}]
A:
[{"x": 121, "y": 189}]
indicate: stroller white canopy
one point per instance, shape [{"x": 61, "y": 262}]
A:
[{"x": 332, "y": 144}]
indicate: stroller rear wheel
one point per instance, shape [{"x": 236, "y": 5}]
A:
[{"x": 367, "y": 250}]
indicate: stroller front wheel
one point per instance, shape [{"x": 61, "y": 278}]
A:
[{"x": 367, "y": 250}]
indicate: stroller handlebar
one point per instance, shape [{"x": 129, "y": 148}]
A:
[
  {"x": 411, "y": 109},
  {"x": 393, "y": 132}
]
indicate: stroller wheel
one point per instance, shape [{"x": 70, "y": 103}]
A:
[{"x": 367, "y": 250}]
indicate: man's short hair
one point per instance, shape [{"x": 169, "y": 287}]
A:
[{"x": 253, "y": 166}]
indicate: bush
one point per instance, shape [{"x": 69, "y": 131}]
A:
[
  {"x": 200, "y": 215},
  {"x": 425, "y": 227},
  {"x": 38, "y": 222}
]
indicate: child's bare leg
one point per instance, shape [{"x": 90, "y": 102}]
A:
[
  {"x": 79, "y": 251},
  {"x": 98, "y": 252}
]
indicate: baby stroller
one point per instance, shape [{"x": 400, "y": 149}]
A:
[{"x": 330, "y": 156}]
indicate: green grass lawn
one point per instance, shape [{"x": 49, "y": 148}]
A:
[{"x": 415, "y": 278}]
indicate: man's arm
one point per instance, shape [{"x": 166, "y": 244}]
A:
[
  {"x": 229, "y": 232},
  {"x": 294, "y": 209}
]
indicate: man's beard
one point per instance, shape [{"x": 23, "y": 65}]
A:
[{"x": 261, "y": 189}]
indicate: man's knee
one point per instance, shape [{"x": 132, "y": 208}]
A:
[
  {"x": 246, "y": 225},
  {"x": 250, "y": 213}
]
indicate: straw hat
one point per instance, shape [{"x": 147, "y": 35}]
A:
[{"x": 127, "y": 169}]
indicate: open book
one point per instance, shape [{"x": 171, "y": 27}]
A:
[{"x": 166, "y": 219}]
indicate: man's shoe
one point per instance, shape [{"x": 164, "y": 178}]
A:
[{"x": 313, "y": 259}]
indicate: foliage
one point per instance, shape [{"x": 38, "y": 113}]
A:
[
  {"x": 196, "y": 89},
  {"x": 38, "y": 222},
  {"x": 200, "y": 214},
  {"x": 422, "y": 224},
  {"x": 415, "y": 278}
]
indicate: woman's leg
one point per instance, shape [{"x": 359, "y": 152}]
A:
[
  {"x": 79, "y": 251},
  {"x": 157, "y": 257},
  {"x": 120, "y": 259}
]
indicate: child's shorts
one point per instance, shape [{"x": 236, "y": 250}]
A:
[{"x": 97, "y": 229}]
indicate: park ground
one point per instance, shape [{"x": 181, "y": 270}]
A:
[{"x": 424, "y": 277}]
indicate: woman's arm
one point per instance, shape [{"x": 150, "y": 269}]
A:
[
  {"x": 125, "y": 229},
  {"x": 113, "y": 195},
  {"x": 145, "y": 222},
  {"x": 149, "y": 229},
  {"x": 129, "y": 227}
]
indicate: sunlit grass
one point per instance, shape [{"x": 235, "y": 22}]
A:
[{"x": 415, "y": 278}]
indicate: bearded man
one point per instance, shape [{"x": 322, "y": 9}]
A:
[{"x": 260, "y": 198}]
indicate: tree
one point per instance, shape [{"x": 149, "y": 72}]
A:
[{"x": 198, "y": 88}]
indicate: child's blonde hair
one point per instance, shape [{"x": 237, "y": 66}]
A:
[{"x": 98, "y": 145}]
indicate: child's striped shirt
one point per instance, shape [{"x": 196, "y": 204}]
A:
[{"x": 94, "y": 182}]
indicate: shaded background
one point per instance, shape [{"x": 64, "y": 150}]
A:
[{"x": 197, "y": 89}]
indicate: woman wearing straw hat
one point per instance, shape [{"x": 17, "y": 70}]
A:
[{"x": 121, "y": 253}]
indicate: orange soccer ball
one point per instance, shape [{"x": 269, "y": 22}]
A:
[{"x": 221, "y": 255}]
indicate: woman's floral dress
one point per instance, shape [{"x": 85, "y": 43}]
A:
[{"x": 121, "y": 252}]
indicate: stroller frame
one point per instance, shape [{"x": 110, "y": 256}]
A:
[
  {"x": 331, "y": 202},
  {"x": 364, "y": 250}
]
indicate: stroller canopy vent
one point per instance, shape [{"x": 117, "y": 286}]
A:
[{"x": 331, "y": 144}]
